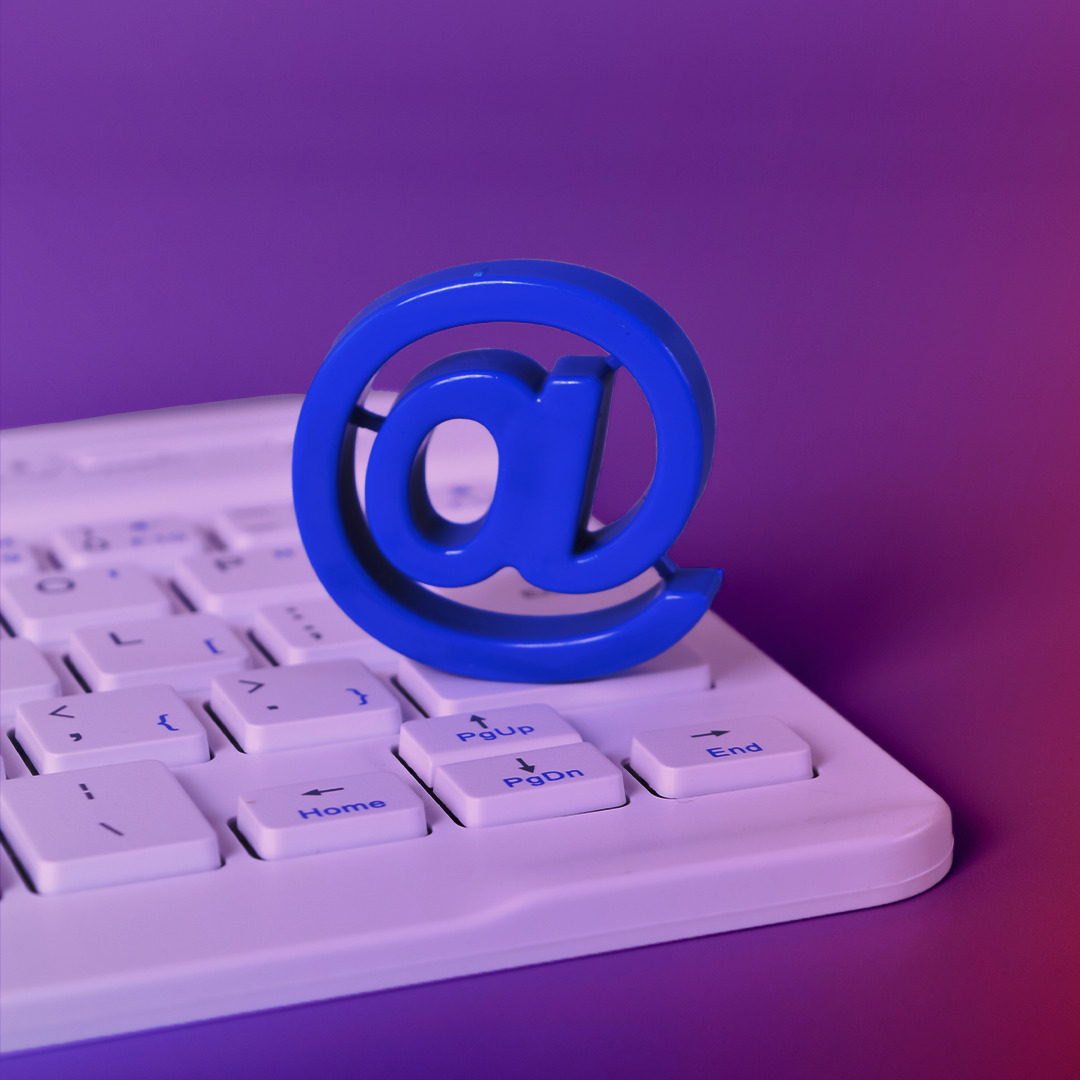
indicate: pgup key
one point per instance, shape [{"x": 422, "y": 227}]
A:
[
  {"x": 442, "y": 740},
  {"x": 539, "y": 784}
]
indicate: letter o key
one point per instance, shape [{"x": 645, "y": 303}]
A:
[{"x": 549, "y": 430}]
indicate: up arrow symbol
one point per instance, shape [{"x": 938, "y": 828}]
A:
[{"x": 527, "y": 768}]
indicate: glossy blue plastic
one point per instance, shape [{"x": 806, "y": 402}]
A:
[{"x": 549, "y": 430}]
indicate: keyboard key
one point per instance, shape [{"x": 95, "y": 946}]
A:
[
  {"x": 184, "y": 651},
  {"x": 25, "y": 675},
  {"x": 107, "y": 826},
  {"x": 156, "y": 543},
  {"x": 679, "y": 670},
  {"x": 318, "y": 630},
  {"x": 441, "y": 740},
  {"x": 248, "y": 527},
  {"x": 540, "y": 784},
  {"x": 284, "y": 708},
  {"x": 48, "y": 607},
  {"x": 328, "y": 815},
  {"x": 16, "y": 558},
  {"x": 234, "y": 585},
  {"x": 84, "y": 730},
  {"x": 732, "y": 754}
]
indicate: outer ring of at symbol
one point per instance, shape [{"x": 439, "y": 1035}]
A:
[{"x": 441, "y": 632}]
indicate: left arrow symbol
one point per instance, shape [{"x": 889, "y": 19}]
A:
[{"x": 316, "y": 791}]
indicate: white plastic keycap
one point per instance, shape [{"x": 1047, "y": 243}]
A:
[
  {"x": 25, "y": 675},
  {"x": 329, "y": 815},
  {"x": 703, "y": 759},
  {"x": 441, "y": 740},
  {"x": 679, "y": 670},
  {"x": 233, "y": 585},
  {"x": 16, "y": 558},
  {"x": 184, "y": 651},
  {"x": 309, "y": 630},
  {"x": 560, "y": 780},
  {"x": 84, "y": 730},
  {"x": 284, "y": 708},
  {"x": 112, "y": 825},
  {"x": 155, "y": 543},
  {"x": 49, "y": 607},
  {"x": 247, "y": 527}
]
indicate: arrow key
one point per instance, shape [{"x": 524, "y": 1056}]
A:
[
  {"x": 754, "y": 751},
  {"x": 553, "y": 782},
  {"x": 330, "y": 815}
]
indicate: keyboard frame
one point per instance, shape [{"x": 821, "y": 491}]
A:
[{"x": 256, "y": 934}]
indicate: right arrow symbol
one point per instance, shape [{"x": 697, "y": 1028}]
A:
[{"x": 706, "y": 733}]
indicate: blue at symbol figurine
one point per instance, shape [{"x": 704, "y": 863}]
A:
[{"x": 549, "y": 430}]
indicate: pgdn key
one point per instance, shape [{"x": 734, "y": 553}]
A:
[{"x": 547, "y": 783}]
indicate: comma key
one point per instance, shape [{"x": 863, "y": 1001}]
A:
[
  {"x": 442, "y": 740},
  {"x": 285, "y": 708},
  {"x": 107, "y": 826},
  {"x": 83, "y": 730},
  {"x": 729, "y": 755},
  {"x": 182, "y": 651},
  {"x": 49, "y": 607},
  {"x": 329, "y": 815},
  {"x": 540, "y": 784}
]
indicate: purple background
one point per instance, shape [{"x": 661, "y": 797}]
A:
[{"x": 864, "y": 215}]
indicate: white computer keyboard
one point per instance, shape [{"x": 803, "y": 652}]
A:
[{"x": 220, "y": 795}]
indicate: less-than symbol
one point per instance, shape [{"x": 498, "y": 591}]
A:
[
  {"x": 254, "y": 685},
  {"x": 164, "y": 722},
  {"x": 86, "y": 791},
  {"x": 706, "y": 733},
  {"x": 74, "y": 735},
  {"x": 316, "y": 791},
  {"x": 60, "y": 712},
  {"x": 110, "y": 828},
  {"x": 526, "y": 768},
  {"x": 478, "y": 720},
  {"x": 363, "y": 697},
  {"x": 117, "y": 641}
]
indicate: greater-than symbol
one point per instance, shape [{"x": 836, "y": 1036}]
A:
[
  {"x": 74, "y": 735},
  {"x": 324, "y": 791},
  {"x": 254, "y": 685},
  {"x": 60, "y": 712},
  {"x": 704, "y": 734},
  {"x": 526, "y": 768},
  {"x": 478, "y": 720}
]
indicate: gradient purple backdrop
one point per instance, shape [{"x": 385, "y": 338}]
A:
[{"x": 865, "y": 217}]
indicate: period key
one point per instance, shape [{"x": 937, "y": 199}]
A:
[
  {"x": 329, "y": 815},
  {"x": 704, "y": 759},
  {"x": 536, "y": 784}
]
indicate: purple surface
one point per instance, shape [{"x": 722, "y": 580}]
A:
[{"x": 865, "y": 216}]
